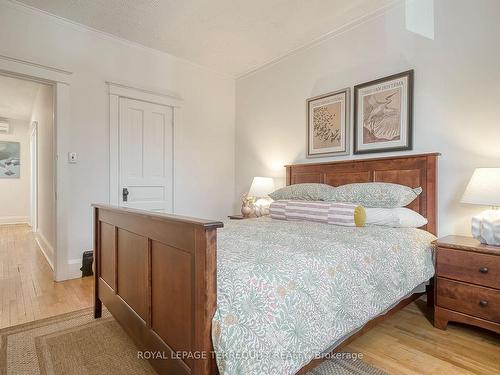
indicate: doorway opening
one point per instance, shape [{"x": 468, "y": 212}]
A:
[{"x": 27, "y": 159}]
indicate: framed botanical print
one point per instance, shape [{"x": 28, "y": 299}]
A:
[
  {"x": 328, "y": 124},
  {"x": 383, "y": 114}
]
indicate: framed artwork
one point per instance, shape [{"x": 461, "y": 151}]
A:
[
  {"x": 328, "y": 124},
  {"x": 383, "y": 114},
  {"x": 10, "y": 161}
]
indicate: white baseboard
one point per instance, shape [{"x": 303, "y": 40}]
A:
[
  {"x": 74, "y": 266},
  {"x": 14, "y": 220},
  {"x": 46, "y": 249}
]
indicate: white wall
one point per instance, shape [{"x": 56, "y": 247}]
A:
[
  {"x": 15, "y": 192},
  {"x": 204, "y": 155},
  {"x": 456, "y": 102},
  {"x": 43, "y": 114}
]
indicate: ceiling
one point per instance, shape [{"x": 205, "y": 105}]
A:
[
  {"x": 231, "y": 36},
  {"x": 17, "y": 97}
]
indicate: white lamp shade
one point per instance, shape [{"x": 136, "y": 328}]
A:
[
  {"x": 483, "y": 187},
  {"x": 261, "y": 186}
]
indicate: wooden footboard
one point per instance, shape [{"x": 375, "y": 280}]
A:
[{"x": 157, "y": 275}]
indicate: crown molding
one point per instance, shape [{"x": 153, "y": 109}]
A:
[{"x": 324, "y": 38}]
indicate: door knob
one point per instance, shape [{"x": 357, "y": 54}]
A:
[
  {"x": 483, "y": 270},
  {"x": 125, "y": 194}
]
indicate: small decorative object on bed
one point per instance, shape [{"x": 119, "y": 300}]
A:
[
  {"x": 258, "y": 196},
  {"x": 328, "y": 124},
  {"x": 10, "y": 162},
  {"x": 484, "y": 189},
  {"x": 383, "y": 114}
]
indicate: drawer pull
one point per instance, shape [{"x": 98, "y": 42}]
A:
[
  {"x": 483, "y": 303},
  {"x": 483, "y": 270}
]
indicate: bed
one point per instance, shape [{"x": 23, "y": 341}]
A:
[{"x": 161, "y": 278}]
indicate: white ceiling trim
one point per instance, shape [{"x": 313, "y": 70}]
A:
[
  {"x": 102, "y": 34},
  {"x": 324, "y": 38}
]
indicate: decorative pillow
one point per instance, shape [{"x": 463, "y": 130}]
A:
[
  {"x": 375, "y": 194},
  {"x": 304, "y": 192},
  {"x": 345, "y": 214},
  {"x": 400, "y": 217}
]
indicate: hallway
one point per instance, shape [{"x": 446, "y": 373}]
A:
[{"x": 27, "y": 289}]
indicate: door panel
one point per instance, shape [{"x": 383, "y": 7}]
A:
[
  {"x": 132, "y": 129},
  {"x": 145, "y": 155},
  {"x": 154, "y": 135}
]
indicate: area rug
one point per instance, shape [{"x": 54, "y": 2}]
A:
[
  {"x": 346, "y": 367},
  {"x": 69, "y": 344},
  {"x": 76, "y": 343}
]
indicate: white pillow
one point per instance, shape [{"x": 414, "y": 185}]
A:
[{"x": 400, "y": 217}]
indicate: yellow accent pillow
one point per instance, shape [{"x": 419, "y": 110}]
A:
[{"x": 360, "y": 216}]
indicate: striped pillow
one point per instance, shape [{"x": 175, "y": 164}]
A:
[{"x": 345, "y": 214}]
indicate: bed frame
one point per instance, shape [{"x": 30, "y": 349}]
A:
[{"x": 156, "y": 273}]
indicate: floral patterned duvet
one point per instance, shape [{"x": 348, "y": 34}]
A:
[{"x": 287, "y": 291}]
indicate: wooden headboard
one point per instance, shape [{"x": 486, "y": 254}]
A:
[{"x": 413, "y": 171}]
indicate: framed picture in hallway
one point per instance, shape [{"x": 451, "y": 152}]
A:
[
  {"x": 328, "y": 124},
  {"x": 10, "y": 160},
  {"x": 383, "y": 114}
]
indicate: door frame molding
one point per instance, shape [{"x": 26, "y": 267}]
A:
[
  {"x": 61, "y": 81},
  {"x": 34, "y": 176},
  {"x": 120, "y": 90}
]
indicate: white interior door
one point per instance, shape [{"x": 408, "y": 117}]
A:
[{"x": 145, "y": 155}]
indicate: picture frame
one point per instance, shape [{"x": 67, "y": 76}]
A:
[
  {"x": 10, "y": 159},
  {"x": 383, "y": 114},
  {"x": 328, "y": 124}
]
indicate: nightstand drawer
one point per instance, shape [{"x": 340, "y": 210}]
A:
[
  {"x": 468, "y": 266},
  {"x": 469, "y": 299}
]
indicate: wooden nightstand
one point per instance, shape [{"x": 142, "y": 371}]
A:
[
  {"x": 467, "y": 283},
  {"x": 237, "y": 217}
]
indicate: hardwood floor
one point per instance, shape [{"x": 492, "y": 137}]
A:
[
  {"x": 27, "y": 290},
  {"x": 406, "y": 343}
]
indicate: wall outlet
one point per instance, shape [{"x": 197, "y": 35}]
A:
[{"x": 72, "y": 157}]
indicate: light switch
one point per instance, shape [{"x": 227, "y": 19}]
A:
[{"x": 72, "y": 157}]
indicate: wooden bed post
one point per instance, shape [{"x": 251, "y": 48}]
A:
[
  {"x": 97, "y": 301},
  {"x": 205, "y": 298}
]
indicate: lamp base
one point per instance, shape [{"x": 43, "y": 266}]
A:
[{"x": 485, "y": 227}]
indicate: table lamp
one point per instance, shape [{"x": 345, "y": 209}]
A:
[
  {"x": 256, "y": 197},
  {"x": 484, "y": 189}
]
